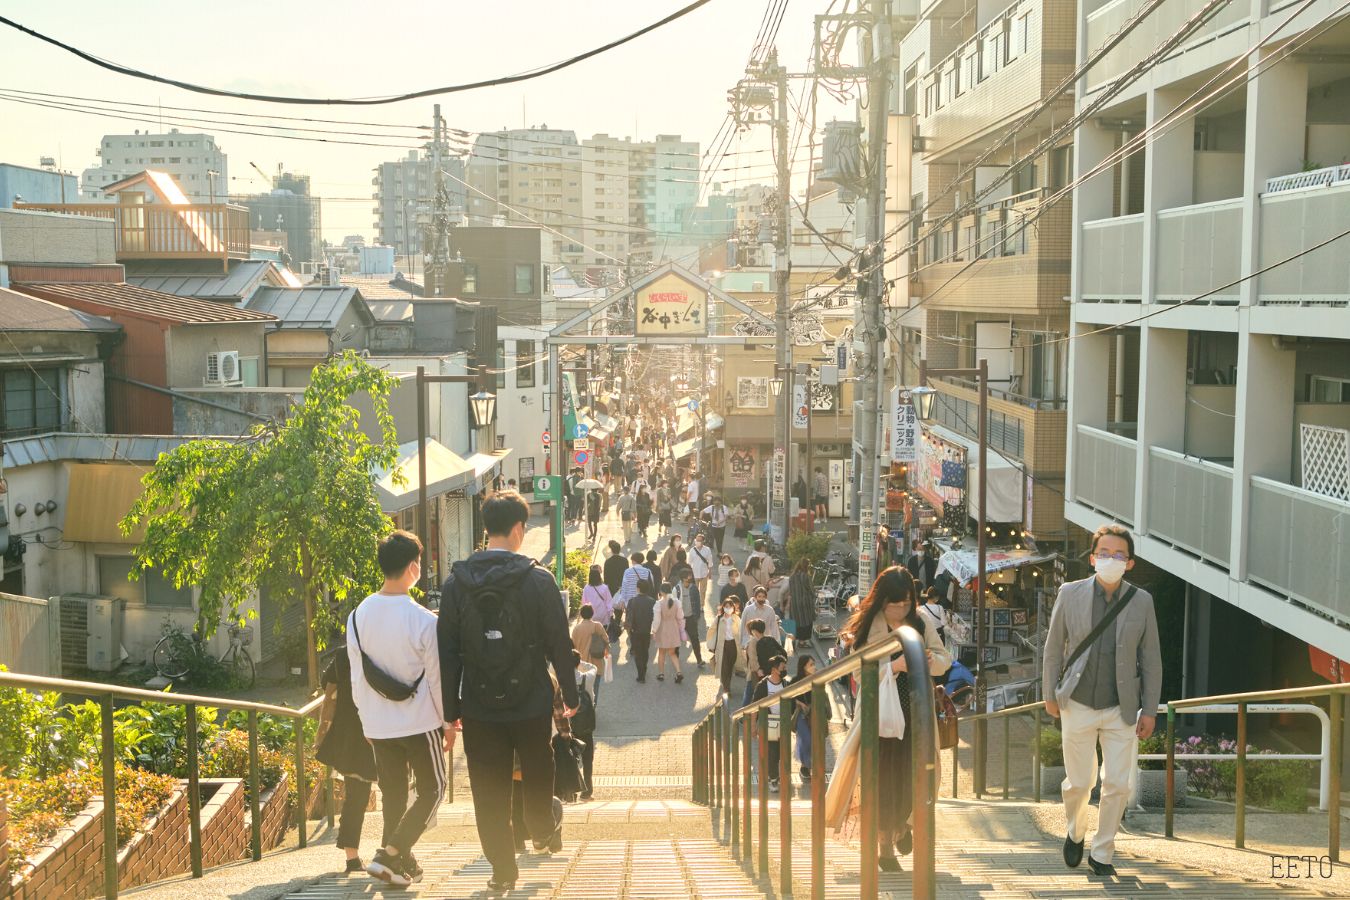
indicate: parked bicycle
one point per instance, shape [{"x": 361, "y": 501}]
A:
[{"x": 177, "y": 651}]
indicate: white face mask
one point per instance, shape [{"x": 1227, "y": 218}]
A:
[{"x": 1111, "y": 570}]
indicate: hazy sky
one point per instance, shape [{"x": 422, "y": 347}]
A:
[{"x": 672, "y": 81}]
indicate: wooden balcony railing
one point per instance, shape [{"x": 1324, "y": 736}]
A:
[{"x": 161, "y": 231}]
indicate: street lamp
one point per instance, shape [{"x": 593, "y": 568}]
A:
[
  {"x": 776, "y": 385},
  {"x": 922, "y": 397},
  {"x": 484, "y": 404},
  {"x": 595, "y": 382}
]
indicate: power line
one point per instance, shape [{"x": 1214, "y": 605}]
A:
[{"x": 368, "y": 101}]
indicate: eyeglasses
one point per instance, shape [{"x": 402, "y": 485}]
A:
[{"x": 1118, "y": 555}]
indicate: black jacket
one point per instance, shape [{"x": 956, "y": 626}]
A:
[
  {"x": 641, "y": 613},
  {"x": 537, "y": 590},
  {"x": 615, "y": 566},
  {"x": 344, "y": 745},
  {"x": 766, "y": 648}
]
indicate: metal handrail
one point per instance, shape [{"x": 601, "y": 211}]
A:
[
  {"x": 721, "y": 760},
  {"x": 106, "y": 693}
]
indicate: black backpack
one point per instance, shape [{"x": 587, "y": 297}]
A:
[
  {"x": 380, "y": 681},
  {"x": 584, "y": 720},
  {"x": 502, "y": 661}
]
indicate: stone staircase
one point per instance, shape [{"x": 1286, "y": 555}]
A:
[{"x": 657, "y": 849}]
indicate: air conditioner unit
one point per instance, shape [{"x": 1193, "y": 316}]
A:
[
  {"x": 222, "y": 368},
  {"x": 105, "y": 633},
  {"x": 85, "y": 632}
]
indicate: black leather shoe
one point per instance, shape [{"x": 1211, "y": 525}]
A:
[
  {"x": 1103, "y": 870},
  {"x": 888, "y": 863},
  {"x": 1073, "y": 853}
]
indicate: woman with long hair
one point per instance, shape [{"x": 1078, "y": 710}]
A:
[
  {"x": 891, "y": 603},
  {"x": 801, "y": 599}
]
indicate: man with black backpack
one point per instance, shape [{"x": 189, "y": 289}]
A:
[
  {"x": 501, "y": 626},
  {"x": 396, "y": 686}
]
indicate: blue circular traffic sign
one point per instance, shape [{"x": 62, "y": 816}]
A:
[
  {"x": 581, "y": 456},
  {"x": 693, "y": 405},
  {"x": 583, "y": 430}
]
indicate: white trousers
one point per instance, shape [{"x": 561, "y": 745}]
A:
[{"x": 1083, "y": 727}]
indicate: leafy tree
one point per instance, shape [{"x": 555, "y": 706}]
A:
[{"x": 291, "y": 508}]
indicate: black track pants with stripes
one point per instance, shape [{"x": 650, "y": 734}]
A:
[{"x": 423, "y": 756}]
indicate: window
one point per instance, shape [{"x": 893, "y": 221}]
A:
[
  {"x": 470, "y": 278},
  {"x": 524, "y": 363},
  {"x": 32, "y": 401},
  {"x": 248, "y": 371},
  {"x": 911, "y": 90},
  {"x": 1021, "y": 35},
  {"x": 1322, "y": 389},
  {"x": 524, "y": 278},
  {"x": 499, "y": 363},
  {"x": 151, "y": 589}
]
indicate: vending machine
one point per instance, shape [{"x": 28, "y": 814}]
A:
[
  {"x": 838, "y": 504},
  {"x": 848, "y": 488}
]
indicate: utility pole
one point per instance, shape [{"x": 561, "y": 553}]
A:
[
  {"x": 437, "y": 270},
  {"x": 873, "y": 286},
  {"x": 782, "y": 271}
]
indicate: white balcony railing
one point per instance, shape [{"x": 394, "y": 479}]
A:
[
  {"x": 1103, "y": 472},
  {"x": 1324, "y": 177},
  {"x": 1293, "y": 220},
  {"x": 1199, "y": 248},
  {"x": 1299, "y": 546},
  {"x": 1190, "y": 503},
  {"x": 1112, "y": 259},
  {"x": 1109, "y": 20}
]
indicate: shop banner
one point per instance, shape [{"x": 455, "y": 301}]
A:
[
  {"x": 800, "y": 410},
  {"x": 904, "y": 428}
]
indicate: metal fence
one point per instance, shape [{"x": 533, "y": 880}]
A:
[
  {"x": 1190, "y": 503},
  {"x": 1104, "y": 472},
  {"x": 722, "y": 769},
  {"x": 26, "y": 633},
  {"x": 1301, "y": 548},
  {"x": 1112, "y": 261},
  {"x": 105, "y": 694}
]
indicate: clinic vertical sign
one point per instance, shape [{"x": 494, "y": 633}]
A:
[
  {"x": 779, "y": 484},
  {"x": 569, "y": 398},
  {"x": 904, "y": 428}
]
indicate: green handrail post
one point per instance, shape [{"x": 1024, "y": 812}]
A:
[
  {"x": 109, "y": 799},
  {"x": 728, "y": 771},
  {"x": 1007, "y": 752},
  {"x": 785, "y": 796},
  {"x": 1036, "y": 754},
  {"x": 819, "y": 725},
  {"x": 194, "y": 793},
  {"x": 762, "y": 734},
  {"x": 330, "y": 801},
  {"x": 956, "y": 760},
  {"x": 734, "y": 804},
  {"x": 301, "y": 794},
  {"x": 747, "y": 844},
  {"x": 254, "y": 786},
  {"x": 1336, "y": 711},
  {"x": 1169, "y": 801},
  {"x": 981, "y": 756},
  {"x": 869, "y": 775},
  {"x": 923, "y": 765},
  {"x": 1240, "y": 790},
  {"x": 718, "y": 768}
]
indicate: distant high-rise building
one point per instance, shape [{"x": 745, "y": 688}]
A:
[
  {"x": 606, "y": 200},
  {"x": 289, "y": 208},
  {"x": 193, "y": 159},
  {"x": 404, "y": 192}
]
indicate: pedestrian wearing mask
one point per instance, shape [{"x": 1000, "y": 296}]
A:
[
  {"x": 724, "y": 642},
  {"x": 806, "y": 667},
  {"x": 1104, "y": 665},
  {"x": 700, "y": 559},
  {"x": 638, "y": 622},
  {"x": 668, "y": 633},
  {"x": 771, "y": 685},
  {"x": 691, "y": 607}
]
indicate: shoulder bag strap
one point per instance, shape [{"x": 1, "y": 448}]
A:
[{"x": 1100, "y": 627}]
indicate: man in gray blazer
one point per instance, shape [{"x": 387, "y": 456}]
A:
[{"x": 1114, "y": 701}]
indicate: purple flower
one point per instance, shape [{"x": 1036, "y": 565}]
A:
[{"x": 1194, "y": 740}]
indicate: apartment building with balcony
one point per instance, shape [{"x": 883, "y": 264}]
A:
[
  {"x": 988, "y": 283},
  {"x": 1209, "y": 395}
]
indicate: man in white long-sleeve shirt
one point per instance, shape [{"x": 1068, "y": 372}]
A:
[{"x": 391, "y": 644}]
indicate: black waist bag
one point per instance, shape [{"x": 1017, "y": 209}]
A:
[{"x": 380, "y": 681}]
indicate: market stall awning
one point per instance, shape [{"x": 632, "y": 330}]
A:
[
  {"x": 1005, "y": 479},
  {"x": 963, "y": 563},
  {"x": 685, "y": 421},
  {"x": 606, "y": 423},
  {"x": 446, "y": 471},
  {"x": 486, "y": 463},
  {"x": 599, "y": 434},
  {"x": 683, "y": 448}
]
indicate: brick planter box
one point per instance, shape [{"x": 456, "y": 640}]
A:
[
  {"x": 275, "y": 803},
  {"x": 162, "y": 849},
  {"x": 224, "y": 829},
  {"x": 69, "y": 866}
]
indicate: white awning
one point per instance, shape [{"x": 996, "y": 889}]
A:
[
  {"x": 446, "y": 471},
  {"x": 683, "y": 448},
  {"x": 1005, "y": 479},
  {"x": 964, "y": 563},
  {"x": 485, "y": 463}
]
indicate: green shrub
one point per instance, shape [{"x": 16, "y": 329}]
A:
[
  {"x": 576, "y": 569},
  {"x": 814, "y": 546},
  {"x": 227, "y": 757},
  {"x": 274, "y": 732},
  {"x": 1052, "y": 747},
  {"x": 38, "y": 808}
]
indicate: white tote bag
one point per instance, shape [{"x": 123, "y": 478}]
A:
[
  {"x": 890, "y": 714},
  {"x": 609, "y": 669}
]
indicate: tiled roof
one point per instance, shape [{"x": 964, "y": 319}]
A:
[
  {"x": 314, "y": 306},
  {"x": 106, "y": 299},
  {"x": 384, "y": 287},
  {"x": 236, "y": 285},
  {"x": 20, "y": 312}
]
